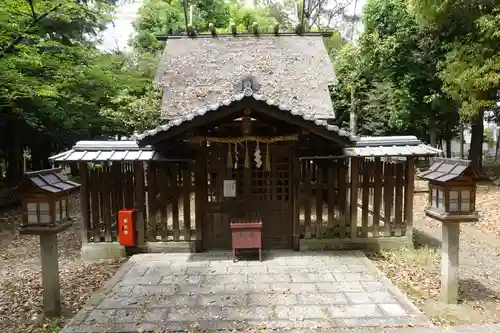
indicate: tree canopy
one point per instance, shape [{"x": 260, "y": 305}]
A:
[
  {"x": 422, "y": 67},
  {"x": 56, "y": 87}
]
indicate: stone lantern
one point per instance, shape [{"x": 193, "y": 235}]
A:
[
  {"x": 45, "y": 200},
  {"x": 452, "y": 200},
  {"x": 452, "y": 191}
]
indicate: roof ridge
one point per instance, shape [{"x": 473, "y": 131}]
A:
[{"x": 248, "y": 92}]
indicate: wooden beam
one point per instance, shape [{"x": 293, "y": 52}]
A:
[
  {"x": 84, "y": 200},
  {"x": 353, "y": 201},
  {"x": 200, "y": 196},
  {"x": 295, "y": 192},
  {"x": 409, "y": 192},
  {"x": 234, "y": 108},
  {"x": 197, "y": 121},
  {"x": 151, "y": 190},
  {"x": 288, "y": 117},
  {"x": 140, "y": 203}
]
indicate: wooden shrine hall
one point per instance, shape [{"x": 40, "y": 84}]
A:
[{"x": 245, "y": 137}]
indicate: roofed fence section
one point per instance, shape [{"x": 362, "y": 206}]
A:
[
  {"x": 102, "y": 151},
  {"x": 99, "y": 151}
]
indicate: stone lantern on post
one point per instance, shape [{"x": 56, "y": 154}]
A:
[
  {"x": 452, "y": 200},
  {"x": 45, "y": 206}
]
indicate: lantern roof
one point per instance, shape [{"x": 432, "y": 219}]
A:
[
  {"x": 49, "y": 180},
  {"x": 446, "y": 169}
]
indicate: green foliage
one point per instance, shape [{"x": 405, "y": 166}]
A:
[
  {"x": 137, "y": 107},
  {"x": 56, "y": 87},
  {"x": 156, "y": 17},
  {"x": 489, "y": 137},
  {"x": 393, "y": 71},
  {"x": 159, "y": 17},
  {"x": 470, "y": 39},
  {"x": 245, "y": 17}
]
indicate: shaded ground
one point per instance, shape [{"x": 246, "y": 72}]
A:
[
  {"x": 417, "y": 272},
  {"x": 207, "y": 291},
  {"x": 20, "y": 280}
]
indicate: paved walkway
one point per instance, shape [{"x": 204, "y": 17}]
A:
[{"x": 288, "y": 290}]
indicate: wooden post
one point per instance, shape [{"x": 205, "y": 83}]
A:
[
  {"x": 187, "y": 188},
  {"x": 307, "y": 199},
  {"x": 200, "y": 196},
  {"x": 377, "y": 195},
  {"x": 449, "y": 262},
  {"x": 409, "y": 192},
  {"x": 107, "y": 213},
  {"x": 50, "y": 275},
  {"x": 353, "y": 200},
  {"x": 84, "y": 200},
  {"x": 295, "y": 200},
  {"x": 140, "y": 204},
  {"x": 151, "y": 201}
]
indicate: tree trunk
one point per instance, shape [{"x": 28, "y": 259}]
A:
[
  {"x": 15, "y": 163},
  {"x": 462, "y": 139},
  {"x": 432, "y": 133},
  {"x": 352, "y": 114},
  {"x": 476, "y": 142},
  {"x": 40, "y": 153},
  {"x": 36, "y": 160},
  {"x": 497, "y": 145},
  {"x": 448, "y": 147},
  {"x": 74, "y": 169}
]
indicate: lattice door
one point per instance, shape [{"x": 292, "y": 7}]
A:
[{"x": 260, "y": 193}]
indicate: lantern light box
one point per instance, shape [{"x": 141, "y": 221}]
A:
[
  {"x": 45, "y": 196},
  {"x": 452, "y": 190}
]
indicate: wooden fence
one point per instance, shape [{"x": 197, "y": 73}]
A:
[
  {"x": 165, "y": 194},
  {"x": 381, "y": 194}
]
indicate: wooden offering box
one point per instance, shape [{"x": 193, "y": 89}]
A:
[{"x": 246, "y": 234}]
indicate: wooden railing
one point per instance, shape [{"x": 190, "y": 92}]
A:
[
  {"x": 165, "y": 196},
  {"x": 325, "y": 195}
]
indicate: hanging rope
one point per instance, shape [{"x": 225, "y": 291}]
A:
[
  {"x": 236, "y": 156},
  {"x": 247, "y": 162},
  {"x": 229, "y": 163},
  {"x": 245, "y": 139},
  {"x": 268, "y": 159}
]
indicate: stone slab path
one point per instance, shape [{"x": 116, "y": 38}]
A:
[{"x": 207, "y": 291}]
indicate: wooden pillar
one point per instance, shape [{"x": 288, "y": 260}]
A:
[
  {"x": 409, "y": 192},
  {"x": 84, "y": 200},
  {"x": 353, "y": 200},
  {"x": 449, "y": 262},
  {"x": 140, "y": 204},
  {"x": 200, "y": 196},
  {"x": 50, "y": 275},
  {"x": 151, "y": 174},
  {"x": 295, "y": 199}
]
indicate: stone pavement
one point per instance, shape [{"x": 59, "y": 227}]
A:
[{"x": 288, "y": 290}]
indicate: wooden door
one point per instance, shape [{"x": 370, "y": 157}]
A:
[{"x": 259, "y": 194}]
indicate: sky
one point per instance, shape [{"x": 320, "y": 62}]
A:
[{"x": 120, "y": 31}]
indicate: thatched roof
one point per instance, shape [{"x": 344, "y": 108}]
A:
[{"x": 293, "y": 70}]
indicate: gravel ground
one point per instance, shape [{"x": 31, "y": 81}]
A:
[
  {"x": 417, "y": 271},
  {"x": 20, "y": 280}
]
